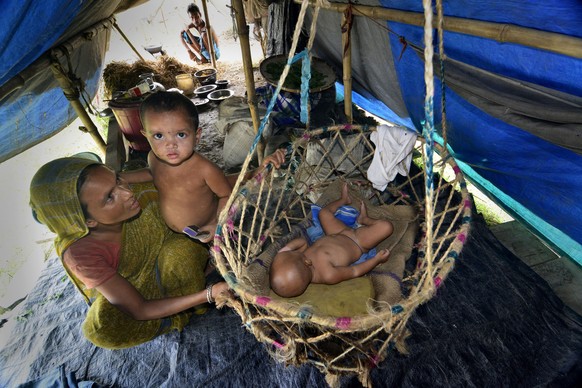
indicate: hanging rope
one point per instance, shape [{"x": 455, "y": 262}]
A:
[
  {"x": 440, "y": 29},
  {"x": 290, "y": 60},
  {"x": 273, "y": 207},
  {"x": 428, "y": 132}
]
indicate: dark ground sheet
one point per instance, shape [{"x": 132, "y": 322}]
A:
[{"x": 493, "y": 323}]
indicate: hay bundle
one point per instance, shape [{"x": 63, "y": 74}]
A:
[{"x": 122, "y": 75}]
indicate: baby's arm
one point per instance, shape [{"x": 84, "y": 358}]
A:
[
  {"x": 217, "y": 182},
  {"x": 137, "y": 176},
  {"x": 298, "y": 244},
  {"x": 334, "y": 275}
]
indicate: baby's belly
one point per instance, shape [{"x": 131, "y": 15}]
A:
[{"x": 178, "y": 217}]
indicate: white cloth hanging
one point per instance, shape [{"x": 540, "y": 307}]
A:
[{"x": 392, "y": 155}]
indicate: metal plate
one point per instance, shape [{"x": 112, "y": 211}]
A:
[
  {"x": 318, "y": 66},
  {"x": 219, "y": 95}
]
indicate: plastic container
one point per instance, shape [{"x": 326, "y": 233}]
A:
[
  {"x": 127, "y": 114},
  {"x": 185, "y": 83}
]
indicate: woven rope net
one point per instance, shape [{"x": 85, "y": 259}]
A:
[{"x": 270, "y": 209}]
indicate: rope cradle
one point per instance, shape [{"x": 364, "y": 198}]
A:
[
  {"x": 264, "y": 214},
  {"x": 274, "y": 207}
]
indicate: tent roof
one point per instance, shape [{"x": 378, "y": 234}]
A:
[
  {"x": 32, "y": 106},
  {"x": 514, "y": 120}
]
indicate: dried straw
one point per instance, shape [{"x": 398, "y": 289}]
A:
[{"x": 122, "y": 75}]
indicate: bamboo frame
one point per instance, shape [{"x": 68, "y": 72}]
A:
[
  {"x": 72, "y": 93},
  {"x": 347, "y": 65},
  {"x": 500, "y": 32},
  {"x": 243, "y": 33},
  {"x": 209, "y": 32}
]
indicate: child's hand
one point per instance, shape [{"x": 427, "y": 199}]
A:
[
  {"x": 382, "y": 256},
  {"x": 277, "y": 158},
  {"x": 207, "y": 233}
]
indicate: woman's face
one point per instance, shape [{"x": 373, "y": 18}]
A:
[{"x": 107, "y": 197}]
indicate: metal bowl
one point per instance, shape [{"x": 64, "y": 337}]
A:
[
  {"x": 202, "y": 91},
  {"x": 206, "y": 76},
  {"x": 201, "y": 103},
  {"x": 219, "y": 95},
  {"x": 222, "y": 83}
]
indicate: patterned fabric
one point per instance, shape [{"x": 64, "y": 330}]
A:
[
  {"x": 156, "y": 261},
  {"x": 54, "y": 200}
]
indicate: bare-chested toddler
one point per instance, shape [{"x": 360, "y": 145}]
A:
[
  {"x": 329, "y": 259},
  {"x": 192, "y": 189}
]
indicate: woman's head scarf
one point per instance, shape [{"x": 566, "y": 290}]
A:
[{"x": 55, "y": 202}]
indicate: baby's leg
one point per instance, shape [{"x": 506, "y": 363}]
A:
[
  {"x": 329, "y": 223},
  {"x": 345, "y": 199},
  {"x": 372, "y": 231}
]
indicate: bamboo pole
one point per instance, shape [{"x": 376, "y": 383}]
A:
[
  {"x": 243, "y": 33},
  {"x": 500, "y": 32},
  {"x": 347, "y": 65},
  {"x": 127, "y": 41},
  {"x": 209, "y": 33},
  {"x": 72, "y": 93}
]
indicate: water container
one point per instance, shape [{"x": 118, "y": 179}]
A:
[{"x": 127, "y": 114}]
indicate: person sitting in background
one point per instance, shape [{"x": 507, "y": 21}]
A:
[
  {"x": 140, "y": 279},
  {"x": 197, "y": 46},
  {"x": 329, "y": 259}
]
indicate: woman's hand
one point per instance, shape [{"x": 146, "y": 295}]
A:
[
  {"x": 216, "y": 290},
  {"x": 277, "y": 158}
]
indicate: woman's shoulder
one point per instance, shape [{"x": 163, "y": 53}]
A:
[{"x": 89, "y": 246}]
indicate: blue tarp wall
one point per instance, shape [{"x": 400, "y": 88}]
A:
[{"x": 513, "y": 112}]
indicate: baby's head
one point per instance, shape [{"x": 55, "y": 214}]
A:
[
  {"x": 170, "y": 124},
  {"x": 163, "y": 102},
  {"x": 290, "y": 274}
]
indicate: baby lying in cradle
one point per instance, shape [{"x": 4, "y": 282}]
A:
[{"x": 328, "y": 260}]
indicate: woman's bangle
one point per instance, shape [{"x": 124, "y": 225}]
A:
[{"x": 209, "y": 293}]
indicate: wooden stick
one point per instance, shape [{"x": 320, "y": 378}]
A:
[
  {"x": 209, "y": 34},
  {"x": 72, "y": 93},
  {"x": 347, "y": 65},
  {"x": 500, "y": 32},
  {"x": 243, "y": 33}
]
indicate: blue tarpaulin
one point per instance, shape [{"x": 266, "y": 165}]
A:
[{"x": 513, "y": 111}]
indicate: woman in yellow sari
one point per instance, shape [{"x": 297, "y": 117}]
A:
[{"x": 139, "y": 278}]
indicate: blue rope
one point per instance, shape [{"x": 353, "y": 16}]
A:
[
  {"x": 305, "y": 78},
  {"x": 428, "y": 132}
]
